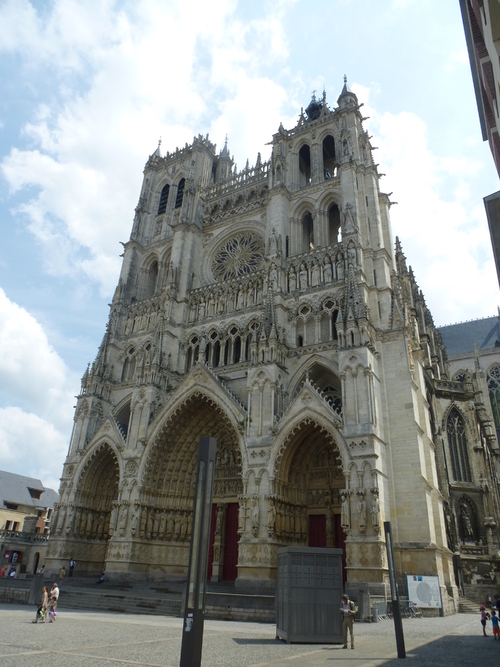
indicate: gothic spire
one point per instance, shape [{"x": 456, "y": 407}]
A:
[{"x": 99, "y": 365}]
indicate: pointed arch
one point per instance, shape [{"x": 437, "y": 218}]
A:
[{"x": 457, "y": 446}]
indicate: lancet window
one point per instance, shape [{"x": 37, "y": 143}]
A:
[
  {"x": 328, "y": 157},
  {"x": 128, "y": 371},
  {"x": 457, "y": 442},
  {"x": 305, "y": 166},
  {"x": 162, "y": 207},
  {"x": 180, "y": 193},
  {"x": 493, "y": 380}
]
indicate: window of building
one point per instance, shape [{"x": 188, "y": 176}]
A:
[
  {"x": 10, "y": 506},
  {"x": 305, "y": 166},
  {"x": 334, "y": 229},
  {"x": 458, "y": 447},
  {"x": 123, "y": 419},
  {"x": 163, "y": 199},
  {"x": 152, "y": 277},
  {"x": 328, "y": 157},
  {"x": 35, "y": 493},
  {"x": 493, "y": 380},
  {"x": 180, "y": 193},
  {"x": 307, "y": 233}
]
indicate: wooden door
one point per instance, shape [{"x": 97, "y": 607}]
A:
[
  {"x": 317, "y": 530},
  {"x": 230, "y": 570}
]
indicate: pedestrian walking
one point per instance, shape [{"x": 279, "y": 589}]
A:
[
  {"x": 484, "y": 617},
  {"x": 41, "y": 612},
  {"x": 62, "y": 574},
  {"x": 72, "y": 564},
  {"x": 52, "y": 604},
  {"x": 347, "y": 611}
]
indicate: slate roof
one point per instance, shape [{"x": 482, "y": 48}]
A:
[
  {"x": 460, "y": 338},
  {"x": 15, "y": 489}
]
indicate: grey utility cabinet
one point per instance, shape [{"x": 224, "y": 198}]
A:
[{"x": 308, "y": 595}]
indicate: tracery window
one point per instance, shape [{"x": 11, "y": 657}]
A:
[
  {"x": 493, "y": 380},
  {"x": 458, "y": 447},
  {"x": 163, "y": 199},
  {"x": 238, "y": 256}
]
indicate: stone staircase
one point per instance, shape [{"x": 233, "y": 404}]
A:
[
  {"x": 467, "y": 606},
  {"x": 222, "y": 602}
]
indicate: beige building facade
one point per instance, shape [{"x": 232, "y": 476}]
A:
[{"x": 269, "y": 309}]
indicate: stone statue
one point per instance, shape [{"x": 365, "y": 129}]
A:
[
  {"x": 78, "y": 517},
  {"x": 327, "y": 270},
  {"x": 70, "y": 518},
  {"x": 315, "y": 274},
  {"x": 144, "y": 518},
  {"x": 273, "y": 277},
  {"x": 149, "y": 524},
  {"x": 100, "y": 525},
  {"x": 218, "y": 522},
  {"x": 163, "y": 525},
  {"x": 123, "y": 520},
  {"x": 340, "y": 266},
  {"x": 376, "y": 514},
  {"x": 83, "y": 524},
  {"x": 156, "y": 523},
  {"x": 303, "y": 277},
  {"x": 344, "y": 511},
  {"x": 90, "y": 520},
  {"x": 255, "y": 516},
  {"x": 351, "y": 255},
  {"x": 361, "y": 507},
  {"x": 329, "y": 522},
  {"x": 271, "y": 516},
  {"x": 61, "y": 519},
  {"x": 273, "y": 243},
  {"x": 467, "y": 523},
  {"x": 242, "y": 517},
  {"x": 292, "y": 280},
  {"x": 134, "y": 523}
]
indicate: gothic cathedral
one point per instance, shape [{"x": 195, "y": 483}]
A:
[{"x": 269, "y": 308}]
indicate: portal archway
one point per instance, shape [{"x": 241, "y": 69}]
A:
[
  {"x": 170, "y": 475},
  {"x": 93, "y": 504},
  {"x": 308, "y": 479}
]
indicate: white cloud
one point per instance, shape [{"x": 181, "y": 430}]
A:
[
  {"x": 88, "y": 145},
  {"x": 32, "y": 446},
  {"x": 34, "y": 433},
  {"x": 443, "y": 231}
]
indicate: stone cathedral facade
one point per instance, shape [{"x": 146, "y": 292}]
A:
[{"x": 271, "y": 309}]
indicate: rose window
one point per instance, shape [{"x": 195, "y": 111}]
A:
[{"x": 238, "y": 256}]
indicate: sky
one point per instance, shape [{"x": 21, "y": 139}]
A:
[{"x": 87, "y": 88}]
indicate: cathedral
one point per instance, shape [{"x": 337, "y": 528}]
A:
[{"x": 271, "y": 309}]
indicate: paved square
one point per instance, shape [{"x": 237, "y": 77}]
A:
[{"x": 82, "y": 638}]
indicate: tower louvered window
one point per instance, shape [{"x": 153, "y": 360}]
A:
[
  {"x": 180, "y": 193},
  {"x": 163, "y": 199},
  {"x": 458, "y": 447}
]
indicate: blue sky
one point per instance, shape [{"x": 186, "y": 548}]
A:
[{"x": 88, "y": 87}]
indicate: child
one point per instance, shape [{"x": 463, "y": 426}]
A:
[
  {"x": 494, "y": 623},
  {"x": 484, "y": 617}
]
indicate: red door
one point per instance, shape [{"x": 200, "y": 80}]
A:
[
  {"x": 340, "y": 543},
  {"x": 317, "y": 530},
  {"x": 230, "y": 571},
  {"x": 212, "y": 538}
]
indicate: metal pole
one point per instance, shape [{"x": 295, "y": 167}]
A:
[
  {"x": 194, "y": 613},
  {"x": 396, "y": 610}
]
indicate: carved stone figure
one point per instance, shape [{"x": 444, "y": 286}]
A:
[
  {"x": 123, "y": 520},
  {"x": 134, "y": 522},
  {"x": 376, "y": 514},
  {"x": 70, "y": 518},
  {"x": 218, "y": 522},
  {"x": 271, "y": 516},
  {"x": 61, "y": 519},
  {"x": 327, "y": 270},
  {"x": 242, "y": 517},
  {"x": 255, "y": 516},
  {"x": 315, "y": 274},
  {"x": 303, "y": 277},
  {"x": 361, "y": 507},
  {"x": 344, "y": 511},
  {"x": 273, "y": 277},
  {"x": 292, "y": 280}
]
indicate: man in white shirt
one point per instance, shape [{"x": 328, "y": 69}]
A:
[{"x": 347, "y": 611}]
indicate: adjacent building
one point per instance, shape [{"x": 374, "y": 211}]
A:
[{"x": 26, "y": 508}]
